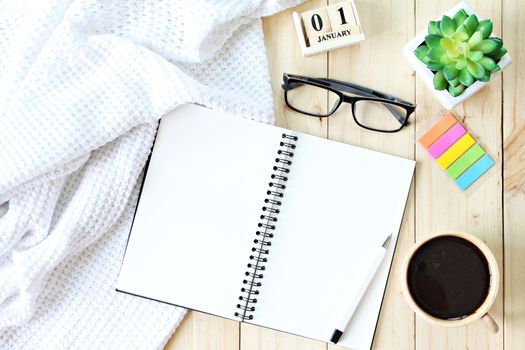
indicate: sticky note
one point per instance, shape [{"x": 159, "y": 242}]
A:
[
  {"x": 437, "y": 130},
  {"x": 476, "y": 170},
  {"x": 456, "y": 150},
  {"x": 466, "y": 160},
  {"x": 446, "y": 140}
]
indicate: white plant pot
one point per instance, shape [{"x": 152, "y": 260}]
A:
[{"x": 443, "y": 96}]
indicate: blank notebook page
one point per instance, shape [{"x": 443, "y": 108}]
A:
[
  {"x": 201, "y": 202},
  {"x": 198, "y": 210},
  {"x": 340, "y": 202}
]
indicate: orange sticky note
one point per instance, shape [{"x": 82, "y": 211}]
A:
[{"x": 437, "y": 130}]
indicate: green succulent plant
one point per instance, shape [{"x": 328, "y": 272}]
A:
[{"x": 460, "y": 51}]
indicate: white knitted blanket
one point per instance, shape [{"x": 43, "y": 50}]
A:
[{"x": 82, "y": 86}]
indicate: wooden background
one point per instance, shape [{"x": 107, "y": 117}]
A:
[{"x": 495, "y": 212}]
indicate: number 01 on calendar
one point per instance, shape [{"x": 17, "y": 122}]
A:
[{"x": 328, "y": 28}]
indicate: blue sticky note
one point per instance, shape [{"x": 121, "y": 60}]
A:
[{"x": 474, "y": 172}]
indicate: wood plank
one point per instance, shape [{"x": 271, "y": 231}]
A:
[
  {"x": 284, "y": 56},
  {"x": 441, "y": 206},
  {"x": 514, "y": 174},
  {"x": 378, "y": 63},
  {"x": 259, "y": 338},
  {"x": 202, "y": 331}
]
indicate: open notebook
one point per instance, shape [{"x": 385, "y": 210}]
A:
[{"x": 264, "y": 225}]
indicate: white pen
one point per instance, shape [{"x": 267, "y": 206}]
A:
[{"x": 379, "y": 256}]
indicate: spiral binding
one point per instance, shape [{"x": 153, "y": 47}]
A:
[{"x": 266, "y": 228}]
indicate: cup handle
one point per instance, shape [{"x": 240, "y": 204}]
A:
[{"x": 489, "y": 323}]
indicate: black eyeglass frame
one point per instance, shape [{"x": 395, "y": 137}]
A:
[{"x": 292, "y": 81}]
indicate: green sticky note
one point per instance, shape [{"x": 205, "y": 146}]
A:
[{"x": 466, "y": 160}]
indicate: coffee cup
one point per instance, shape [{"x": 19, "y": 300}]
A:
[{"x": 451, "y": 279}]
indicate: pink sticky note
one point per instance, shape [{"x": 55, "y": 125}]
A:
[{"x": 446, "y": 140}]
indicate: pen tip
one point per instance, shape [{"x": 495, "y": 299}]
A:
[
  {"x": 336, "y": 336},
  {"x": 386, "y": 243}
]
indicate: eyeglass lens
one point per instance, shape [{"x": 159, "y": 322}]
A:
[
  {"x": 300, "y": 97},
  {"x": 378, "y": 115}
]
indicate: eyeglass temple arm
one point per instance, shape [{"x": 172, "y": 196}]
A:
[
  {"x": 345, "y": 85},
  {"x": 363, "y": 91}
]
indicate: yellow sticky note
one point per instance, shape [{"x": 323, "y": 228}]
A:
[{"x": 455, "y": 151}]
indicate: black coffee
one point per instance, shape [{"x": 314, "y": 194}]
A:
[{"x": 448, "y": 277}]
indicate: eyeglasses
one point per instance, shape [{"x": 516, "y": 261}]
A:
[{"x": 372, "y": 110}]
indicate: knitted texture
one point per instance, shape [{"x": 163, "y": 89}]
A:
[{"x": 84, "y": 83}]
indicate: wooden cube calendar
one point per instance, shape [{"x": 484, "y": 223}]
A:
[{"x": 328, "y": 28}]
